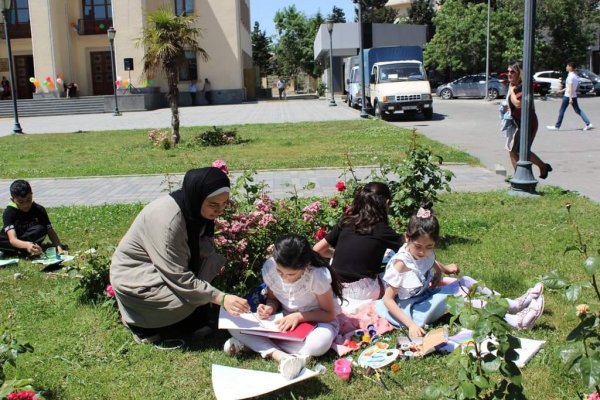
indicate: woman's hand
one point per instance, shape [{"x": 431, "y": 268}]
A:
[
  {"x": 289, "y": 322},
  {"x": 236, "y": 305},
  {"x": 34, "y": 249},
  {"x": 415, "y": 330},
  {"x": 264, "y": 311}
]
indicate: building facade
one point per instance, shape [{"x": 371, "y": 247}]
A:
[{"x": 67, "y": 40}]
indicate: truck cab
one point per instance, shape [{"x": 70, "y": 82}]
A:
[
  {"x": 353, "y": 97},
  {"x": 398, "y": 87}
]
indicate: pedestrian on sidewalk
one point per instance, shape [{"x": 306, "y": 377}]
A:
[
  {"x": 193, "y": 89},
  {"x": 515, "y": 93},
  {"x": 208, "y": 91},
  {"x": 570, "y": 97},
  {"x": 281, "y": 88}
]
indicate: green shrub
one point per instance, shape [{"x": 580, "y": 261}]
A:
[
  {"x": 321, "y": 88},
  {"x": 92, "y": 270},
  {"x": 216, "y": 137}
]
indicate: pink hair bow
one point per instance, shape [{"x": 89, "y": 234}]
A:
[{"x": 423, "y": 213}]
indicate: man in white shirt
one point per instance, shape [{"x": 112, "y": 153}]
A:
[
  {"x": 570, "y": 97},
  {"x": 281, "y": 88}
]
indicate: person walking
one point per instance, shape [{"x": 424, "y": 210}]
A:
[
  {"x": 5, "y": 88},
  {"x": 514, "y": 97},
  {"x": 281, "y": 88},
  {"x": 193, "y": 89},
  {"x": 570, "y": 97}
]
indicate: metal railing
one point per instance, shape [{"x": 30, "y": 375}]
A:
[{"x": 17, "y": 31}]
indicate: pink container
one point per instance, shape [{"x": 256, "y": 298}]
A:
[{"x": 343, "y": 368}]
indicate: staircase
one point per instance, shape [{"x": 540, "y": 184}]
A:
[{"x": 54, "y": 106}]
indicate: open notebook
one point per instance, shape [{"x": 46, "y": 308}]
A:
[{"x": 250, "y": 324}]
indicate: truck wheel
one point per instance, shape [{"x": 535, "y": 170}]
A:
[
  {"x": 446, "y": 94},
  {"x": 428, "y": 113},
  {"x": 379, "y": 112}
]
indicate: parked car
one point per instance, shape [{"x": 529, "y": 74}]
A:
[
  {"x": 556, "y": 79},
  {"x": 472, "y": 86},
  {"x": 541, "y": 88},
  {"x": 594, "y": 78}
]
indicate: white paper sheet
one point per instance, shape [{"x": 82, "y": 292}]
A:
[
  {"x": 9, "y": 261},
  {"x": 248, "y": 321},
  {"x": 52, "y": 261},
  {"x": 249, "y": 383}
]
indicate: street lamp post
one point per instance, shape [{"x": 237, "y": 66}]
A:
[
  {"x": 111, "y": 38},
  {"x": 6, "y": 6},
  {"x": 487, "y": 54},
  {"x": 330, "y": 30},
  {"x": 363, "y": 106}
]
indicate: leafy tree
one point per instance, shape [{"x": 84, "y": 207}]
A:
[
  {"x": 375, "y": 11},
  {"x": 261, "y": 50},
  {"x": 294, "y": 50},
  {"x": 166, "y": 38},
  {"x": 337, "y": 15},
  {"x": 421, "y": 12}
]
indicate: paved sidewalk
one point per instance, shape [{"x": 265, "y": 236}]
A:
[{"x": 53, "y": 192}]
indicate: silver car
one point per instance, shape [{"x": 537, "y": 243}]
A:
[{"x": 472, "y": 86}]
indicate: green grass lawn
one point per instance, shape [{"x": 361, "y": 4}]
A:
[
  {"x": 83, "y": 352},
  {"x": 266, "y": 146}
]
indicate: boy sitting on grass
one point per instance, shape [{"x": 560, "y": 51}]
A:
[{"x": 26, "y": 224}]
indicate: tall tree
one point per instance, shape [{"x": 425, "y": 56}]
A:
[
  {"x": 261, "y": 50},
  {"x": 166, "y": 38},
  {"x": 337, "y": 15},
  {"x": 376, "y": 11},
  {"x": 294, "y": 50},
  {"x": 421, "y": 12}
]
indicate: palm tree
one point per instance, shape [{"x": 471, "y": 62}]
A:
[{"x": 166, "y": 38}]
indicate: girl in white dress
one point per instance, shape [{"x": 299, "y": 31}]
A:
[
  {"x": 412, "y": 298},
  {"x": 301, "y": 285}
]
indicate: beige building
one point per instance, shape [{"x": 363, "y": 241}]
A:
[
  {"x": 68, "y": 39},
  {"x": 401, "y": 5}
]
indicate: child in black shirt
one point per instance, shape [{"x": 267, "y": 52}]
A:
[{"x": 25, "y": 223}]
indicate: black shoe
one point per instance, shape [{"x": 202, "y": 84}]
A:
[{"x": 545, "y": 174}]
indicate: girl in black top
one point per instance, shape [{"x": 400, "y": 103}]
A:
[{"x": 358, "y": 243}]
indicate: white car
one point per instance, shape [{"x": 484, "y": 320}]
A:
[{"x": 556, "y": 81}]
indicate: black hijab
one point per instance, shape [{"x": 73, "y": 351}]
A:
[{"x": 197, "y": 185}]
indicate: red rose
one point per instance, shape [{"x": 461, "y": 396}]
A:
[
  {"x": 320, "y": 233},
  {"x": 333, "y": 202},
  {"x": 340, "y": 186}
]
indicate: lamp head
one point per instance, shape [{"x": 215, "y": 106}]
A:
[
  {"x": 329, "y": 23},
  {"x": 111, "y": 33}
]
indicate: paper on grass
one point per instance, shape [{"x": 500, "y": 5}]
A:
[
  {"x": 249, "y": 383},
  {"x": 529, "y": 347},
  {"x": 9, "y": 261},
  {"x": 248, "y": 321},
  {"x": 52, "y": 261}
]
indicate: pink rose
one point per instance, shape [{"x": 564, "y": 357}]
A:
[
  {"x": 22, "y": 395},
  {"x": 594, "y": 396},
  {"x": 320, "y": 233},
  {"x": 221, "y": 165},
  {"x": 340, "y": 186},
  {"x": 333, "y": 203},
  {"x": 109, "y": 290}
]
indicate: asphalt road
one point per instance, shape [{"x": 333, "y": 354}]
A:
[{"x": 473, "y": 126}]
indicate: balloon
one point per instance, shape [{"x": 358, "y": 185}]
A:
[
  {"x": 125, "y": 82},
  {"x": 49, "y": 78},
  {"x": 59, "y": 81},
  {"x": 102, "y": 26},
  {"x": 150, "y": 82},
  {"x": 117, "y": 82},
  {"x": 32, "y": 79},
  {"x": 36, "y": 83},
  {"x": 45, "y": 83},
  {"x": 119, "y": 78},
  {"x": 76, "y": 28}
]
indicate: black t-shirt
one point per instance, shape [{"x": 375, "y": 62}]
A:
[
  {"x": 359, "y": 256},
  {"x": 20, "y": 221}
]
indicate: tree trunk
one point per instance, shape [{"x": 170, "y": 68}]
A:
[{"x": 173, "y": 98}]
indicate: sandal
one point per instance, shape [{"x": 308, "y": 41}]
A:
[{"x": 233, "y": 347}]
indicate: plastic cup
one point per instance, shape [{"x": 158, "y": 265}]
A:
[{"x": 343, "y": 368}]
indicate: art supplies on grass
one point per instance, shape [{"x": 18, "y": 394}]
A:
[
  {"x": 52, "y": 261},
  {"x": 421, "y": 346},
  {"x": 377, "y": 356},
  {"x": 251, "y": 324}
]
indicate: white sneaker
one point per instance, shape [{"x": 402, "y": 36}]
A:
[
  {"x": 233, "y": 347},
  {"x": 525, "y": 299},
  {"x": 588, "y": 127},
  {"x": 527, "y": 317},
  {"x": 290, "y": 366},
  {"x": 552, "y": 128}
]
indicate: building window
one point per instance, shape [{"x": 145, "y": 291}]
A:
[
  {"x": 189, "y": 71},
  {"x": 19, "y": 20},
  {"x": 184, "y": 7},
  {"x": 97, "y": 17}
]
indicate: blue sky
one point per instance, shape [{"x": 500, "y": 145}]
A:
[{"x": 263, "y": 11}]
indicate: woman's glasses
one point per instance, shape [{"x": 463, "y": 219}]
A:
[{"x": 510, "y": 71}]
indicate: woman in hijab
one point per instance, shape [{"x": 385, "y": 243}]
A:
[{"x": 162, "y": 269}]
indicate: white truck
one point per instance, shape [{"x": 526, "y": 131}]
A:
[{"x": 397, "y": 82}]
